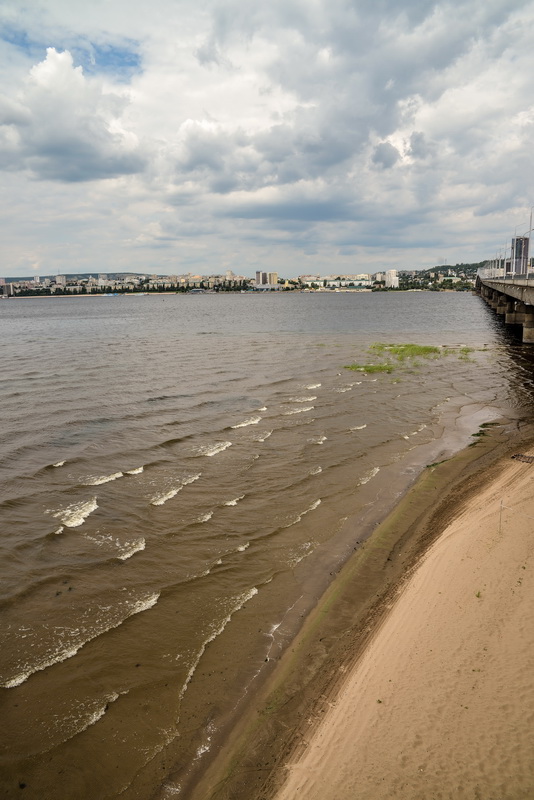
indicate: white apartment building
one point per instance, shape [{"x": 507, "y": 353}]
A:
[{"x": 392, "y": 279}]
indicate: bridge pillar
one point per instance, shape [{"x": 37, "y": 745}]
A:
[
  {"x": 492, "y": 298},
  {"x": 510, "y": 316},
  {"x": 502, "y": 304},
  {"x": 520, "y": 311},
  {"x": 528, "y": 325}
]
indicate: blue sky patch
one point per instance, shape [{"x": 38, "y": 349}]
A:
[{"x": 120, "y": 61}]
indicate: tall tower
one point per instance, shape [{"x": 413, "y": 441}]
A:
[{"x": 519, "y": 262}]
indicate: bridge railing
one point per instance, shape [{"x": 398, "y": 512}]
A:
[{"x": 496, "y": 274}]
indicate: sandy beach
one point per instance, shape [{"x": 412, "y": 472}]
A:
[{"x": 440, "y": 704}]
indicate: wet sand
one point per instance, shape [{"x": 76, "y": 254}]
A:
[{"x": 412, "y": 677}]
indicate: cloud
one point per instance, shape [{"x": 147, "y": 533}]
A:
[
  {"x": 385, "y": 155},
  {"x": 66, "y": 127},
  {"x": 334, "y": 129}
]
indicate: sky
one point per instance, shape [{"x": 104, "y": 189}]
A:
[{"x": 297, "y": 136}]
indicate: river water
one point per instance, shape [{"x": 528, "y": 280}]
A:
[{"x": 181, "y": 475}]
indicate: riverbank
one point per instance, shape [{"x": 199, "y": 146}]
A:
[{"x": 321, "y": 706}]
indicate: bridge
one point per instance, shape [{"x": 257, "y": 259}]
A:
[{"x": 511, "y": 295}]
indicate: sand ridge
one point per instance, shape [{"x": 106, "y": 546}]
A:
[{"x": 441, "y": 702}]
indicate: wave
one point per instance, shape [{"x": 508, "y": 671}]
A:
[
  {"x": 242, "y": 547},
  {"x": 130, "y": 548},
  {"x": 97, "y": 480},
  {"x": 358, "y": 427},
  {"x": 316, "y": 470},
  {"x": 367, "y": 477},
  {"x": 343, "y": 389},
  {"x": 263, "y": 408},
  {"x": 213, "y": 449},
  {"x": 240, "y": 601},
  {"x": 261, "y": 437},
  {"x": 313, "y": 386},
  {"x": 250, "y": 421},
  {"x": 302, "y": 399},
  {"x": 135, "y": 471},
  {"x": 59, "y": 464},
  {"x": 59, "y": 530},
  {"x": 62, "y": 652},
  {"x": 413, "y": 433},
  {"x": 74, "y": 515},
  {"x": 205, "y": 517},
  {"x": 76, "y": 725},
  {"x": 307, "y": 511},
  {"x": 160, "y": 499},
  {"x": 298, "y": 410},
  {"x": 234, "y": 502},
  {"x": 301, "y": 553},
  {"x": 318, "y": 440}
]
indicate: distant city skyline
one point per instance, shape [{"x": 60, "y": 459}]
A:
[{"x": 284, "y": 138}]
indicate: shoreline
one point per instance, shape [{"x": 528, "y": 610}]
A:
[
  {"x": 441, "y": 702},
  {"x": 278, "y": 724}
]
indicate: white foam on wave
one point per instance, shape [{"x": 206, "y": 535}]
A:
[
  {"x": 213, "y": 449},
  {"x": 242, "y": 547},
  {"x": 313, "y": 386},
  {"x": 367, "y": 477},
  {"x": 250, "y": 421},
  {"x": 130, "y": 548},
  {"x": 160, "y": 499},
  {"x": 261, "y": 437},
  {"x": 342, "y": 389},
  {"x": 76, "y": 723},
  {"x": 358, "y": 427},
  {"x": 414, "y": 433},
  {"x": 60, "y": 529},
  {"x": 59, "y": 464},
  {"x": 302, "y": 399},
  {"x": 205, "y": 517},
  {"x": 298, "y": 410},
  {"x": 135, "y": 471},
  {"x": 301, "y": 553},
  {"x": 96, "y": 480},
  {"x": 263, "y": 408},
  {"x": 61, "y": 652},
  {"x": 316, "y": 471},
  {"x": 318, "y": 440},
  {"x": 240, "y": 601},
  {"x": 234, "y": 502},
  {"x": 74, "y": 515},
  {"x": 306, "y": 511}
]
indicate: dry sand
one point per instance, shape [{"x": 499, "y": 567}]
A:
[{"x": 441, "y": 702}]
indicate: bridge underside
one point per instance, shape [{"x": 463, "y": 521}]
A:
[{"x": 513, "y": 299}]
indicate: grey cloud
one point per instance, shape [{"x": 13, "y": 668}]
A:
[
  {"x": 385, "y": 155},
  {"x": 419, "y": 146}
]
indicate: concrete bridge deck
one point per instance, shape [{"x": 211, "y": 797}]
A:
[{"x": 511, "y": 296}]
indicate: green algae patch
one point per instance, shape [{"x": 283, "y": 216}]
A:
[
  {"x": 403, "y": 351},
  {"x": 370, "y": 367},
  {"x": 407, "y": 355}
]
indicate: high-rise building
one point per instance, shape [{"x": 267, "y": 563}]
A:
[
  {"x": 519, "y": 262},
  {"x": 261, "y": 278},
  {"x": 392, "y": 280},
  {"x": 272, "y": 278},
  {"x": 61, "y": 280}
]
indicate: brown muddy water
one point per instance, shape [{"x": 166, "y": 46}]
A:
[{"x": 180, "y": 478}]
